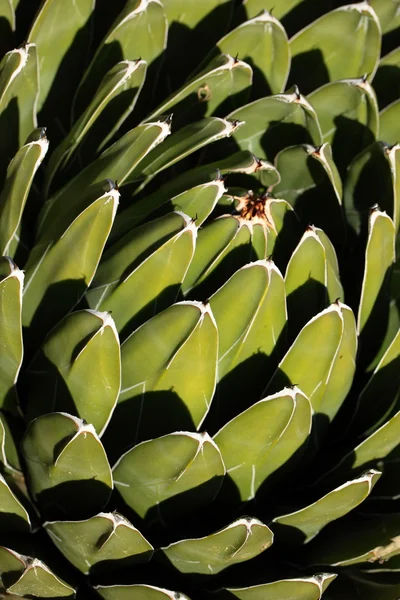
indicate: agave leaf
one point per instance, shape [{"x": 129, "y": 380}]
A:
[
  {"x": 155, "y": 471},
  {"x": 11, "y": 284},
  {"x": 387, "y": 78},
  {"x": 8, "y": 451},
  {"x": 379, "y": 259},
  {"x": 333, "y": 284},
  {"x": 250, "y": 453},
  {"x": 104, "y": 537},
  {"x": 281, "y": 7},
  {"x": 78, "y": 363},
  {"x": 182, "y": 143},
  {"x": 198, "y": 202},
  {"x": 122, "y": 283},
  {"x": 168, "y": 362},
  {"x": 120, "y": 159},
  {"x": 55, "y": 32},
  {"x": 389, "y": 118},
  {"x": 30, "y": 577},
  {"x": 7, "y": 15},
  {"x": 120, "y": 88},
  {"x": 307, "y": 588},
  {"x": 220, "y": 84},
  {"x": 344, "y": 107},
  {"x": 13, "y": 515},
  {"x": 67, "y": 465},
  {"x": 242, "y": 540},
  {"x": 309, "y": 360},
  {"x": 343, "y": 43},
  {"x": 271, "y": 124},
  {"x": 20, "y": 174},
  {"x": 370, "y": 538},
  {"x": 256, "y": 41},
  {"x": 139, "y": 32},
  {"x": 342, "y": 500},
  {"x": 307, "y": 175},
  {"x": 388, "y": 14},
  {"x": 63, "y": 269},
  {"x": 139, "y": 591},
  {"x": 19, "y": 84}
]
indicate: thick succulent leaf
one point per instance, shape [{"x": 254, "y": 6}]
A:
[
  {"x": 218, "y": 88},
  {"x": 387, "y": 78},
  {"x": 343, "y": 108},
  {"x": 168, "y": 364},
  {"x": 333, "y": 284},
  {"x": 67, "y": 465},
  {"x": 252, "y": 453},
  {"x": 104, "y": 537},
  {"x": 242, "y": 540},
  {"x": 125, "y": 284},
  {"x": 272, "y": 123},
  {"x": 180, "y": 464},
  {"x": 250, "y": 313},
  {"x": 311, "y": 519},
  {"x": 388, "y": 14},
  {"x": 120, "y": 159},
  {"x": 140, "y": 31},
  {"x": 78, "y": 363},
  {"x": 30, "y": 577},
  {"x": 137, "y": 592},
  {"x": 379, "y": 258},
  {"x": 55, "y": 31},
  {"x": 307, "y": 588},
  {"x": 111, "y": 104},
  {"x": 13, "y": 515},
  {"x": 11, "y": 284},
  {"x": 357, "y": 539},
  {"x": 256, "y": 41},
  {"x": 341, "y": 44},
  {"x": 197, "y": 202},
  {"x": 8, "y": 451},
  {"x": 281, "y": 7},
  {"x": 58, "y": 273},
  {"x": 19, "y": 177},
  {"x": 310, "y": 182},
  {"x": 7, "y": 15},
  {"x": 309, "y": 360},
  {"x": 182, "y": 143},
  {"x": 19, "y": 84},
  {"x": 388, "y": 123}
]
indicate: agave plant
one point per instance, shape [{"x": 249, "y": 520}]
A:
[{"x": 199, "y": 299}]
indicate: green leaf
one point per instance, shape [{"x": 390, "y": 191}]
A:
[
  {"x": 137, "y": 592},
  {"x": 30, "y": 577},
  {"x": 242, "y": 540},
  {"x": 255, "y": 42},
  {"x": 281, "y": 7},
  {"x": 388, "y": 14},
  {"x": 307, "y": 588},
  {"x": 78, "y": 363},
  {"x": 120, "y": 88},
  {"x": 8, "y": 450},
  {"x": 309, "y": 360},
  {"x": 58, "y": 272},
  {"x": 222, "y": 85},
  {"x": 250, "y": 453},
  {"x": 105, "y": 537},
  {"x": 19, "y": 84},
  {"x": 67, "y": 465},
  {"x": 341, "y": 44},
  {"x": 271, "y": 124},
  {"x": 55, "y": 31},
  {"x": 388, "y": 119},
  {"x": 7, "y": 15},
  {"x": 140, "y": 31},
  {"x": 11, "y": 284},
  {"x": 13, "y": 515},
  {"x": 125, "y": 283},
  {"x": 168, "y": 364},
  {"x": 342, "y": 500},
  {"x": 19, "y": 177},
  {"x": 157, "y": 470},
  {"x": 387, "y": 78}
]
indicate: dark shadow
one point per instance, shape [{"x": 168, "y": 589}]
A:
[
  {"x": 304, "y": 303},
  {"x": 7, "y": 41},
  {"x": 280, "y": 135},
  {"x": 287, "y": 240},
  {"x": 9, "y": 141},
  {"x": 351, "y": 137},
  {"x": 10, "y": 522},
  {"x": 387, "y": 84},
  {"x": 143, "y": 417},
  {"x": 306, "y": 12},
  {"x": 73, "y": 500},
  {"x": 107, "y": 572},
  {"x": 25, "y": 15},
  {"x": 308, "y": 71},
  {"x": 390, "y": 41},
  {"x": 105, "y": 14}
]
